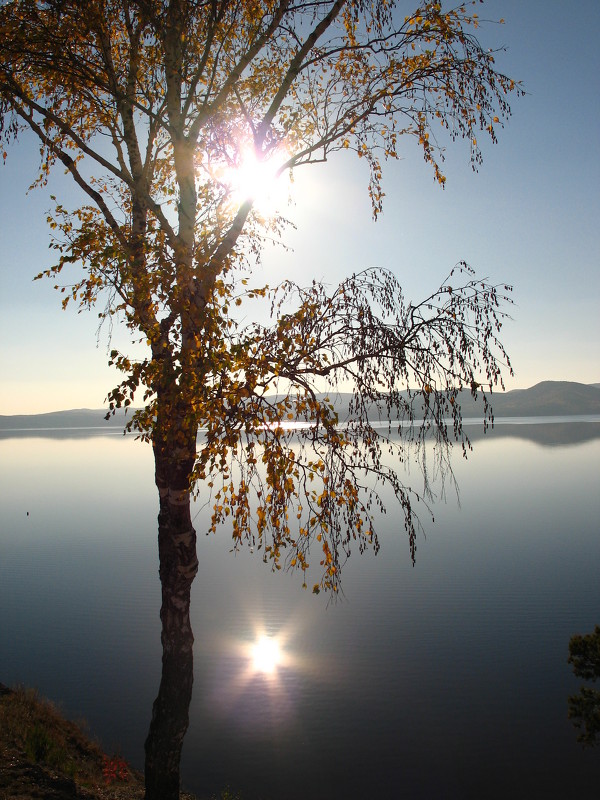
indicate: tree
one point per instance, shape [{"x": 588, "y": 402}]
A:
[
  {"x": 584, "y": 707},
  {"x": 150, "y": 105}
]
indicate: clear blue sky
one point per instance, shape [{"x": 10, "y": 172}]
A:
[{"x": 530, "y": 217}]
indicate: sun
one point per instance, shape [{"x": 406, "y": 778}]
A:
[
  {"x": 260, "y": 180},
  {"x": 266, "y": 655}
]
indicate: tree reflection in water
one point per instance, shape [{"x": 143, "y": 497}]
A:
[{"x": 170, "y": 712}]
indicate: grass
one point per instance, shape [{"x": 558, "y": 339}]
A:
[{"x": 43, "y": 755}]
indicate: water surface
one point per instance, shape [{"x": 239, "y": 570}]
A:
[{"x": 446, "y": 679}]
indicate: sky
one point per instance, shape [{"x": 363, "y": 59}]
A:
[{"x": 530, "y": 218}]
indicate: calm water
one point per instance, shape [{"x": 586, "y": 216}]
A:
[{"x": 446, "y": 680}]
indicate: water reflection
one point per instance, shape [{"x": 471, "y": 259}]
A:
[
  {"x": 431, "y": 678},
  {"x": 258, "y": 680},
  {"x": 569, "y": 432},
  {"x": 265, "y": 655},
  {"x": 545, "y": 431}
]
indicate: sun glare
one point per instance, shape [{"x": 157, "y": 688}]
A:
[
  {"x": 259, "y": 181},
  {"x": 265, "y": 655}
]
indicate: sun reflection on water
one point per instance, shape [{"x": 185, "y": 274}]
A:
[
  {"x": 258, "y": 686},
  {"x": 266, "y": 654},
  {"x": 257, "y": 673}
]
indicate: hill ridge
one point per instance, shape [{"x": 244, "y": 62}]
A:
[{"x": 546, "y": 398}]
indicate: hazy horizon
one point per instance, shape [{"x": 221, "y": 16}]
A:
[{"x": 466, "y": 403}]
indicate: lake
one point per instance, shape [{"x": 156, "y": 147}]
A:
[{"x": 448, "y": 679}]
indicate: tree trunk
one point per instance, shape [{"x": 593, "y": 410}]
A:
[{"x": 178, "y": 567}]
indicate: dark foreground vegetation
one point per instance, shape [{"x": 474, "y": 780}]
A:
[{"x": 46, "y": 757}]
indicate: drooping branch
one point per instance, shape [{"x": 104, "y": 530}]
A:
[
  {"x": 409, "y": 366},
  {"x": 182, "y": 89}
]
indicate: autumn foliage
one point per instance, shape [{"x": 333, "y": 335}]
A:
[{"x": 149, "y": 105}]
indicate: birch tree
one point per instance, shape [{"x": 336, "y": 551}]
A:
[{"x": 151, "y": 106}]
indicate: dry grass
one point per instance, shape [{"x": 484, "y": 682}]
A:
[{"x": 43, "y": 755}]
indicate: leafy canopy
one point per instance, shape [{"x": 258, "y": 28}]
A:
[
  {"x": 584, "y": 707},
  {"x": 149, "y": 105}
]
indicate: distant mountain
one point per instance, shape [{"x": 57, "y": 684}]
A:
[
  {"x": 59, "y": 420},
  {"x": 546, "y": 399}
]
